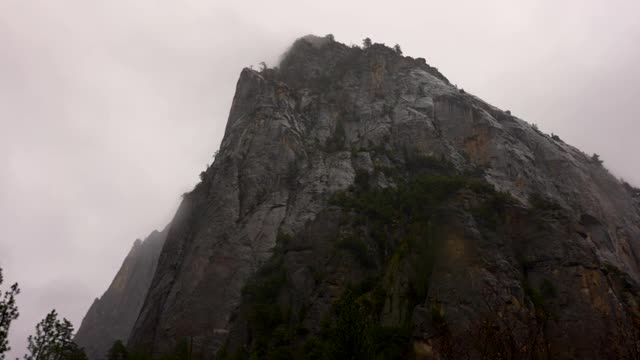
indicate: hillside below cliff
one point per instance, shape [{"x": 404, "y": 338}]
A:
[
  {"x": 112, "y": 316},
  {"x": 362, "y": 206}
]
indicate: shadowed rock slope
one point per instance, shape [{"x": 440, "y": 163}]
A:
[
  {"x": 112, "y": 316},
  {"x": 361, "y": 204}
]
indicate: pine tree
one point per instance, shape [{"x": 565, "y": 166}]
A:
[
  {"x": 64, "y": 345},
  {"x": 74, "y": 352},
  {"x": 350, "y": 337},
  {"x": 366, "y": 43},
  {"x": 118, "y": 351},
  {"x": 53, "y": 340},
  {"x": 8, "y": 313},
  {"x": 40, "y": 345}
]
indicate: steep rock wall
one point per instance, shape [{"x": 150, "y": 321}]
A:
[
  {"x": 299, "y": 134},
  {"x": 112, "y": 316}
]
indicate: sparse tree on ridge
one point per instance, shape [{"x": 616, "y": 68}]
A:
[
  {"x": 330, "y": 37},
  {"x": 397, "y": 49},
  {"x": 8, "y": 313},
  {"x": 596, "y": 159},
  {"x": 366, "y": 43}
]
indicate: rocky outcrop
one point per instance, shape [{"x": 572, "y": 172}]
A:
[
  {"x": 311, "y": 195},
  {"x": 112, "y": 316}
]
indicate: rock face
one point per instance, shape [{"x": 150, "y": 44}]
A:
[
  {"x": 112, "y": 316},
  {"x": 361, "y": 179}
]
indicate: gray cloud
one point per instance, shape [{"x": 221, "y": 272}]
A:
[{"x": 109, "y": 110}]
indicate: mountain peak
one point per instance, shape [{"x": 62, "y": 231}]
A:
[{"x": 360, "y": 181}]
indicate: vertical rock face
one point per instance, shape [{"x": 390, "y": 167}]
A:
[
  {"x": 311, "y": 194},
  {"x": 112, "y": 316}
]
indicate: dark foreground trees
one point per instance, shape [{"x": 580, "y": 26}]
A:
[
  {"x": 53, "y": 337},
  {"x": 53, "y": 340},
  {"x": 118, "y": 351},
  {"x": 8, "y": 313}
]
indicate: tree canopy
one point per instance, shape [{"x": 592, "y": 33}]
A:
[
  {"x": 118, "y": 351},
  {"x": 53, "y": 340},
  {"x": 8, "y": 313}
]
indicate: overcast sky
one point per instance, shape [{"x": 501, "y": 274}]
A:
[{"x": 109, "y": 110}]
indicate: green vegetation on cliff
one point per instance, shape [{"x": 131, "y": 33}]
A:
[{"x": 382, "y": 229}]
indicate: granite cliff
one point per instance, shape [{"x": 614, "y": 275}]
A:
[
  {"x": 112, "y": 316},
  {"x": 360, "y": 204}
]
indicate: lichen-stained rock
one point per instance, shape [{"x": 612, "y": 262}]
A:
[
  {"x": 112, "y": 316},
  {"x": 293, "y": 201}
]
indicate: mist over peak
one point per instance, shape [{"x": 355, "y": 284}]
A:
[{"x": 110, "y": 110}]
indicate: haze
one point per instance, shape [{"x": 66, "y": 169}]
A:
[{"x": 109, "y": 110}]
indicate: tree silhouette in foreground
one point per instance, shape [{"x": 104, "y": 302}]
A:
[
  {"x": 118, "y": 351},
  {"x": 8, "y": 313},
  {"x": 53, "y": 341}
]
